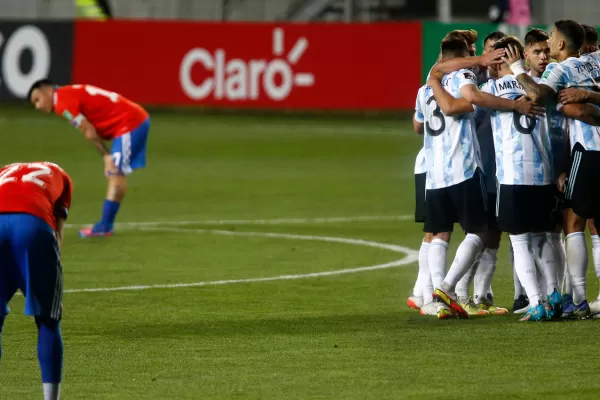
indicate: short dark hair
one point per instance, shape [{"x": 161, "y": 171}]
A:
[
  {"x": 572, "y": 31},
  {"x": 509, "y": 40},
  {"x": 591, "y": 34},
  {"x": 40, "y": 83},
  {"x": 495, "y": 36},
  {"x": 535, "y": 36},
  {"x": 453, "y": 47}
]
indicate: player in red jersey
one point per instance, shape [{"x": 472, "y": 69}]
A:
[
  {"x": 101, "y": 116},
  {"x": 34, "y": 203}
]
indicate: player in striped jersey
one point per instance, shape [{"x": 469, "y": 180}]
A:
[
  {"x": 575, "y": 95},
  {"x": 526, "y": 194},
  {"x": 482, "y": 272},
  {"x": 455, "y": 183},
  {"x": 582, "y": 193}
]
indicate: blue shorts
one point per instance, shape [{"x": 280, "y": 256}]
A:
[
  {"x": 129, "y": 150},
  {"x": 30, "y": 261}
]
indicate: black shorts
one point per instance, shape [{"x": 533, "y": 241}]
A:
[
  {"x": 465, "y": 203},
  {"x": 420, "y": 211},
  {"x": 526, "y": 208},
  {"x": 582, "y": 193}
]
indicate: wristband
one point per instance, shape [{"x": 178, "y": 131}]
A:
[{"x": 518, "y": 67}]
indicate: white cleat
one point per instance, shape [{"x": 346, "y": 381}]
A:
[
  {"x": 430, "y": 308},
  {"x": 522, "y": 310},
  {"x": 595, "y": 308},
  {"x": 415, "y": 302}
]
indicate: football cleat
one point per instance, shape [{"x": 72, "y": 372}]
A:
[
  {"x": 555, "y": 303},
  {"x": 450, "y": 302},
  {"x": 521, "y": 304},
  {"x": 89, "y": 232},
  {"x": 443, "y": 311},
  {"x": 580, "y": 311},
  {"x": 595, "y": 308},
  {"x": 473, "y": 310},
  {"x": 415, "y": 302},
  {"x": 537, "y": 313},
  {"x": 493, "y": 309},
  {"x": 430, "y": 308},
  {"x": 567, "y": 299}
]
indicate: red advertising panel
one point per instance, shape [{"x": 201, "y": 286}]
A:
[{"x": 297, "y": 66}]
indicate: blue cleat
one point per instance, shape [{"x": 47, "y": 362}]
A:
[
  {"x": 580, "y": 311},
  {"x": 567, "y": 299},
  {"x": 555, "y": 303},
  {"x": 537, "y": 313}
]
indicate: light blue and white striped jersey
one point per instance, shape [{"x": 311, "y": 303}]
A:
[
  {"x": 522, "y": 144},
  {"x": 582, "y": 72},
  {"x": 421, "y": 162},
  {"x": 558, "y": 128},
  {"x": 451, "y": 146}
]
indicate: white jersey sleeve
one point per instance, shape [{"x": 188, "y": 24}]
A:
[
  {"x": 554, "y": 77},
  {"x": 420, "y": 105},
  {"x": 451, "y": 146}
]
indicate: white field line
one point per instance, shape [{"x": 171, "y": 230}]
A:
[
  {"x": 411, "y": 257},
  {"x": 275, "y": 221}
]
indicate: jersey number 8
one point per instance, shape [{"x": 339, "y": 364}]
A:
[{"x": 437, "y": 113}]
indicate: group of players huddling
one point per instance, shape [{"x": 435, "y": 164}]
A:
[
  {"x": 514, "y": 148},
  {"x": 35, "y": 199}
]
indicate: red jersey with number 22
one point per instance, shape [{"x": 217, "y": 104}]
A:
[
  {"x": 110, "y": 113},
  {"x": 36, "y": 188}
]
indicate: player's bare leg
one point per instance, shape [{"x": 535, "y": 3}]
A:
[
  {"x": 117, "y": 188},
  {"x": 577, "y": 261}
]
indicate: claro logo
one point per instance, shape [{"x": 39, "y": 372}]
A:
[
  {"x": 30, "y": 38},
  {"x": 237, "y": 79}
]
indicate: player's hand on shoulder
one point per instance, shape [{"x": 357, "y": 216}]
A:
[
  {"x": 110, "y": 169},
  {"x": 572, "y": 95}
]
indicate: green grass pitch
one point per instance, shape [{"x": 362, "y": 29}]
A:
[{"x": 342, "y": 336}]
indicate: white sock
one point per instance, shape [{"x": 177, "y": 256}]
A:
[
  {"x": 577, "y": 263},
  {"x": 525, "y": 266},
  {"x": 519, "y": 290},
  {"x": 423, "y": 270},
  {"x": 427, "y": 288},
  {"x": 462, "y": 287},
  {"x": 556, "y": 243},
  {"x": 596, "y": 255},
  {"x": 541, "y": 280},
  {"x": 544, "y": 256},
  {"x": 438, "y": 253},
  {"x": 51, "y": 391},
  {"x": 466, "y": 254},
  {"x": 485, "y": 273}
]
